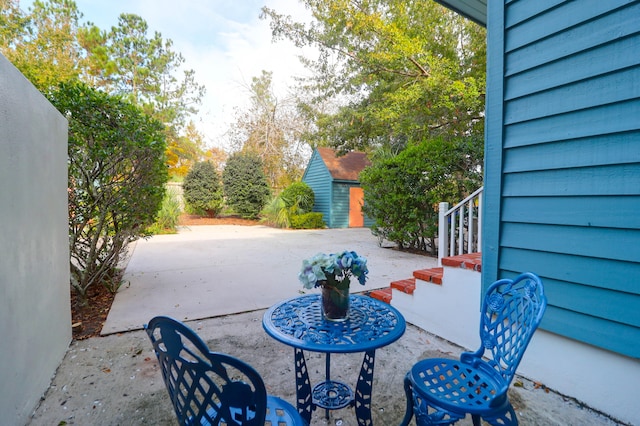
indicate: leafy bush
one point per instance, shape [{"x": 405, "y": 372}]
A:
[
  {"x": 311, "y": 220},
  {"x": 202, "y": 189},
  {"x": 402, "y": 192},
  {"x": 276, "y": 213},
  {"x": 245, "y": 185},
  {"x": 169, "y": 214},
  {"x": 297, "y": 198},
  {"x": 116, "y": 180}
]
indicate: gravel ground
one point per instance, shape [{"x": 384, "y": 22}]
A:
[{"x": 115, "y": 380}]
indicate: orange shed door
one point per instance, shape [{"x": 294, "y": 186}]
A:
[{"x": 356, "y": 201}]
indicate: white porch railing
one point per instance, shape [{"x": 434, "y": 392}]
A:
[{"x": 459, "y": 229}]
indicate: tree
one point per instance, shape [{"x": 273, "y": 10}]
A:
[
  {"x": 184, "y": 151},
  {"x": 270, "y": 128},
  {"x": 98, "y": 65},
  {"x": 402, "y": 70},
  {"x": 402, "y": 191},
  {"x": 145, "y": 71},
  {"x": 48, "y": 46},
  {"x": 117, "y": 174},
  {"x": 245, "y": 185},
  {"x": 42, "y": 44},
  {"x": 217, "y": 156},
  {"x": 203, "y": 189}
]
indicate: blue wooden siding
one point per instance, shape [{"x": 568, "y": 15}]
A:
[
  {"x": 317, "y": 176},
  {"x": 562, "y": 172}
]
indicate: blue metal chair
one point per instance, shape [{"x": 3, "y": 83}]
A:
[
  {"x": 442, "y": 391},
  {"x": 210, "y": 388}
]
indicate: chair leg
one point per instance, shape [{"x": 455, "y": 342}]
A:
[
  {"x": 424, "y": 413},
  {"x": 476, "y": 420},
  {"x": 506, "y": 417},
  {"x": 408, "y": 414}
]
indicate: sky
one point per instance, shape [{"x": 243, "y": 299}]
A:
[{"x": 223, "y": 41}]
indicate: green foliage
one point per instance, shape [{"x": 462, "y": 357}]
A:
[
  {"x": 399, "y": 70},
  {"x": 169, "y": 214},
  {"x": 402, "y": 191},
  {"x": 42, "y": 43},
  {"x": 116, "y": 180},
  {"x": 296, "y": 199},
  {"x": 276, "y": 213},
  {"x": 203, "y": 189},
  {"x": 299, "y": 196},
  {"x": 48, "y": 45},
  {"x": 142, "y": 67},
  {"x": 270, "y": 128},
  {"x": 245, "y": 185},
  {"x": 311, "y": 220}
]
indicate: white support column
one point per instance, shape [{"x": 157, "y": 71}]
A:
[
  {"x": 479, "y": 248},
  {"x": 461, "y": 230},
  {"x": 471, "y": 230},
  {"x": 443, "y": 237}
]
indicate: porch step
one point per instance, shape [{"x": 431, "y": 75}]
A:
[
  {"x": 466, "y": 261},
  {"x": 383, "y": 294},
  {"x": 405, "y": 286},
  {"x": 431, "y": 275},
  {"x": 408, "y": 285},
  {"x": 471, "y": 261}
]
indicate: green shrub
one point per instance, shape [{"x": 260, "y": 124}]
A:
[
  {"x": 295, "y": 199},
  {"x": 245, "y": 185},
  {"x": 203, "y": 190},
  {"x": 116, "y": 180},
  {"x": 169, "y": 214},
  {"x": 402, "y": 192},
  {"x": 311, "y": 220},
  {"x": 276, "y": 213},
  {"x": 299, "y": 197}
]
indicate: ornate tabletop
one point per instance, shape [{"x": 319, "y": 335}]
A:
[{"x": 298, "y": 322}]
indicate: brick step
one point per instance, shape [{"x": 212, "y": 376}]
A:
[
  {"x": 465, "y": 261},
  {"x": 383, "y": 294},
  {"x": 405, "y": 286},
  {"x": 431, "y": 275}
]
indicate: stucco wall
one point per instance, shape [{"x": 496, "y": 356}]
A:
[{"x": 35, "y": 315}]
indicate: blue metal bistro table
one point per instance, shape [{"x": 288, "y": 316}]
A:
[{"x": 298, "y": 322}]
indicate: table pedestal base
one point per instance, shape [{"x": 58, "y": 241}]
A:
[{"x": 332, "y": 394}]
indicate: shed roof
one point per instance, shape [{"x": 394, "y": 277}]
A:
[{"x": 345, "y": 167}]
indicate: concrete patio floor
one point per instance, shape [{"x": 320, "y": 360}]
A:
[
  {"x": 115, "y": 379},
  {"x": 208, "y": 271},
  {"x": 221, "y": 281}
]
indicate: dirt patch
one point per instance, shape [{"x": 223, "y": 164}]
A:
[{"x": 88, "y": 320}]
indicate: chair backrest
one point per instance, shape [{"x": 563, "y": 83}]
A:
[
  {"x": 511, "y": 313},
  {"x": 205, "y": 385}
]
